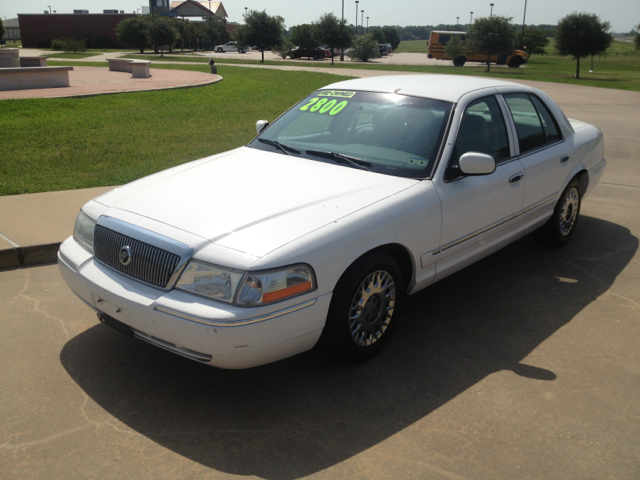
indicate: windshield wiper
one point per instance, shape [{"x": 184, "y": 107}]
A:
[
  {"x": 285, "y": 148},
  {"x": 341, "y": 158}
]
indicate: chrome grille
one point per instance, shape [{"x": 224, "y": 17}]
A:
[{"x": 148, "y": 263}]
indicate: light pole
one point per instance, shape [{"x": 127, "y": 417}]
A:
[
  {"x": 491, "y": 14},
  {"x": 245, "y": 14},
  {"x": 49, "y": 8},
  {"x": 523, "y": 17},
  {"x": 367, "y": 24},
  {"x": 357, "y": 2},
  {"x": 362, "y": 22},
  {"x": 470, "y": 19},
  {"x": 457, "y": 19},
  {"x": 341, "y": 25}
]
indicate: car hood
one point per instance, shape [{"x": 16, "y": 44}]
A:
[{"x": 251, "y": 200}]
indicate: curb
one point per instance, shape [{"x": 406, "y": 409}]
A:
[{"x": 29, "y": 256}]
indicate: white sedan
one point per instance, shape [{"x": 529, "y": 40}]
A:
[
  {"x": 364, "y": 192},
  {"x": 229, "y": 47}
]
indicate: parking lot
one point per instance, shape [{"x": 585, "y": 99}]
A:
[{"x": 524, "y": 365}]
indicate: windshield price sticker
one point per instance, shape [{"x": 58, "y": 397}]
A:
[
  {"x": 324, "y": 105},
  {"x": 336, "y": 93}
]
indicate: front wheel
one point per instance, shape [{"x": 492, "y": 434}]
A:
[
  {"x": 364, "y": 308},
  {"x": 560, "y": 227},
  {"x": 315, "y": 56},
  {"x": 220, "y": 50}
]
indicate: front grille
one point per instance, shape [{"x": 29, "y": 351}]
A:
[{"x": 148, "y": 263}]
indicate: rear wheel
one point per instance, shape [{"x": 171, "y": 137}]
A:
[
  {"x": 241, "y": 50},
  {"x": 560, "y": 227},
  {"x": 364, "y": 308},
  {"x": 459, "y": 61},
  {"x": 315, "y": 56}
]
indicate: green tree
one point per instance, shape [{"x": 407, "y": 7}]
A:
[
  {"x": 391, "y": 36},
  {"x": 2, "y": 30},
  {"x": 133, "y": 30},
  {"x": 364, "y": 48},
  {"x": 535, "y": 41},
  {"x": 160, "y": 31},
  {"x": 261, "y": 30},
  {"x": 378, "y": 36},
  {"x": 333, "y": 33},
  {"x": 582, "y": 35},
  {"x": 455, "y": 48},
  {"x": 303, "y": 36},
  {"x": 491, "y": 36}
]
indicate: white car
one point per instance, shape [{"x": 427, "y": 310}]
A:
[
  {"x": 365, "y": 191},
  {"x": 229, "y": 47}
]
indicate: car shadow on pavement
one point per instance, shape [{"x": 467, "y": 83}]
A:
[{"x": 305, "y": 414}]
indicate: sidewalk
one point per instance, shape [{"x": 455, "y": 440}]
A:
[{"x": 32, "y": 226}]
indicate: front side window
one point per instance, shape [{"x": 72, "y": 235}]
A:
[
  {"x": 385, "y": 133},
  {"x": 535, "y": 125},
  {"x": 482, "y": 130}
]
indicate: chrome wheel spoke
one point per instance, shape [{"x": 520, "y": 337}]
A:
[{"x": 372, "y": 308}]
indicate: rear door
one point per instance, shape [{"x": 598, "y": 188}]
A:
[{"x": 543, "y": 153}]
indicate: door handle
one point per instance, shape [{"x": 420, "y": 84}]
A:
[
  {"x": 516, "y": 178},
  {"x": 564, "y": 158}
]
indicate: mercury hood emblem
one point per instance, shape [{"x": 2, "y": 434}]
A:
[{"x": 125, "y": 255}]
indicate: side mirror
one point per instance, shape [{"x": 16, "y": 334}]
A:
[
  {"x": 474, "y": 163},
  {"x": 261, "y": 125}
]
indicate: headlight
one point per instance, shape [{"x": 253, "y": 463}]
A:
[
  {"x": 256, "y": 288},
  {"x": 210, "y": 280},
  {"x": 83, "y": 231},
  {"x": 267, "y": 287}
]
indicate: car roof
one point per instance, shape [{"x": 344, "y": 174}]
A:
[{"x": 442, "y": 87}]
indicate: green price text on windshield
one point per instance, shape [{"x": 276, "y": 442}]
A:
[{"x": 324, "y": 105}]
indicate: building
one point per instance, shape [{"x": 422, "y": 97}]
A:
[
  {"x": 39, "y": 30},
  {"x": 12, "y": 29}
]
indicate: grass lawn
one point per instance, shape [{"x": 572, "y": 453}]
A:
[
  {"x": 60, "y": 144},
  {"x": 412, "y": 46},
  {"x": 71, "y": 55}
]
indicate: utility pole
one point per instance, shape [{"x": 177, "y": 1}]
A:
[
  {"x": 523, "y": 17},
  {"x": 362, "y": 22},
  {"x": 491, "y": 14},
  {"x": 367, "y": 24},
  {"x": 357, "y": 2}
]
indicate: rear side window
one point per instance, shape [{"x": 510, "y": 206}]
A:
[
  {"x": 444, "y": 39},
  {"x": 535, "y": 125}
]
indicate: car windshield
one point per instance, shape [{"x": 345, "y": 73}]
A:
[{"x": 384, "y": 133}]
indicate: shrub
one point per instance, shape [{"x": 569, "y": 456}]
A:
[
  {"x": 70, "y": 45},
  {"x": 284, "y": 49},
  {"x": 364, "y": 48}
]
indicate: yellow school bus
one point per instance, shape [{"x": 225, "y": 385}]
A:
[{"x": 439, "y": 39}]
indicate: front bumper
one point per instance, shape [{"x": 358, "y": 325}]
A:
[{"x": 211, "y": 332}]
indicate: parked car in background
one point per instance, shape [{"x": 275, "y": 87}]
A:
[
  {"x": 382, "y": 49},
  {"x": 230, "y": 47},
  {"x": 366, "y": 191},
  {"x": 316, "y": 53}
]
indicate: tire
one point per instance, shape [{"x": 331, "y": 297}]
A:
[
  {"x": 241, "y": 50},
  {"x": 515, "y": 62},
  {"x": 560, "y": 227},
  {"x": 315, "y": 56},
  {"x": 364, "y": 308},
  {"x": 459, "y": 61},
  {"x": 220, "y": 50}
]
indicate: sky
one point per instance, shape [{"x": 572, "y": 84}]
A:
[{"x": 623, "y": 15}]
